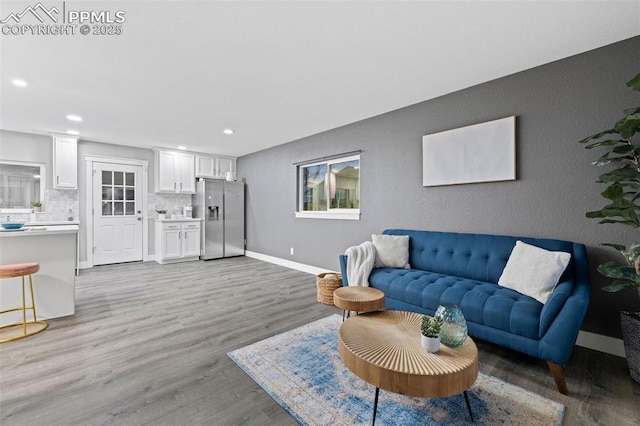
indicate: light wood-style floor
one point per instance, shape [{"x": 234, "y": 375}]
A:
[{"x": 148, "y": 345}]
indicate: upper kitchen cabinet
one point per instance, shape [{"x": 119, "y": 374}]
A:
[
  {"x": 215, "y": 167},
  {"x": 65, "y": 162},
  {"x": 175, "y": 172}
]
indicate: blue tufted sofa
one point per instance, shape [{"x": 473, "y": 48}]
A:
[{"x": 464, "y": 269}]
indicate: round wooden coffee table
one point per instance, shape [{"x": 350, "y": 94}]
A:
[
  {"x": 358, "y": 299},
  {"x": 383, "y": 348}
]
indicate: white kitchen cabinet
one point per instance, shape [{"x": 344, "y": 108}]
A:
[
  {"x": 65, "y": 162},
  {"x": 205, "y": 166},
  {"x": 177, "y": 240},
  {"x": 215, "y": 167},
  {"x": 175, "y": 172},
  {"x": 191, "y": 240},
  {"x": 224, "y": 165}
]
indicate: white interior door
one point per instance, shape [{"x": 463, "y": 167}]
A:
[{"x": 117, "y": 213}]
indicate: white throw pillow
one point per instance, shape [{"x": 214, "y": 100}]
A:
[
  {"x": 534, "y": 271},
  {"x": 392, "y": 251}
]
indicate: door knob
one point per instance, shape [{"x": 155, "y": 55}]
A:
[{"x": 138, "y": 218}]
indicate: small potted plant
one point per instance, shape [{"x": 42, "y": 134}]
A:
[
  {"x": 37, "y": 206},
  {"x": 430, "y": 338},
  {"x": 161, "y": 214}
]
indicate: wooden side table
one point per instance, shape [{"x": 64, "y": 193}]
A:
[
  {"x": 358, "y": 299},
  {"x": 383, "y": 348}
]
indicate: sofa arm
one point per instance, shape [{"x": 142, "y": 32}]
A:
[
  {"x": 557, "y": 343},
  {"x": 559, "y": 338},
  {"x": 553, "y": 305},
  {"x": 343, "y": 270}
]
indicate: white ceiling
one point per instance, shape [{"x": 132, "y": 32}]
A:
[{"x": 182, "y": 71}]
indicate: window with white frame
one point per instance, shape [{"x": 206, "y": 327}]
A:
[{"x": 330, "y": 189}]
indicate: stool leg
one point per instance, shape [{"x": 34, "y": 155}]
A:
[
  {"x": 24, "y": 310},
  {"x": 33, "y": 300}
]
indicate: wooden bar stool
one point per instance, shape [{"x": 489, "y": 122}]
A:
[{"x": 28, "y": 327}]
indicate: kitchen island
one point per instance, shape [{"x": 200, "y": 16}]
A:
[{"x": 55, "y": 248}]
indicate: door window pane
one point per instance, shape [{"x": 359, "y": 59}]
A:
[
  {"x": 107, "y": 193},
  {"x": 115, "y": 187},
  {"x": 118, "y": 208},
  {"x": 118, "y": 194},
  {"x": 106, "y": 177},
  {"x": 106, "y": 209},
  {"x": 118, "y": 178}
]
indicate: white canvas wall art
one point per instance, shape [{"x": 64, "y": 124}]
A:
[{"x": 484, "y": 152}]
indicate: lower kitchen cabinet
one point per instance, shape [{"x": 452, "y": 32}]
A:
[{"x": 177, "y": 240}]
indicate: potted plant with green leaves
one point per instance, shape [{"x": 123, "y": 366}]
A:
[
  {"x": 161, "y": 214},
  {"x": 37, "y": 206},
  {"x": 622, "y": 151},
  {"x": 430, "y": 329}
]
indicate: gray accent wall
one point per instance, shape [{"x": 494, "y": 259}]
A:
[{"x": 556, "y": 105}]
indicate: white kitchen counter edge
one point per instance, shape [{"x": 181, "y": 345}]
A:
[
  {"x": 53, "y": 223},
  {"x": 186, "y": 219},
  {"x": 28, "y": 231}
]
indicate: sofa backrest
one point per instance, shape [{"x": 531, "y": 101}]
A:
[{"x": 475, "y": 256}]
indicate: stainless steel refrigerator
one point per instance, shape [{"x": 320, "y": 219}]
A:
[{"x": 220, "y": 204}]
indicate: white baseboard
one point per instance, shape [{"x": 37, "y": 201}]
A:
[
  {"x": 85, "y": 264},
  {"x": 286, "y": 263},
  {"x": 597, "y": 342}
]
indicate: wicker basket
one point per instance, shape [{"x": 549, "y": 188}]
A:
[
  {"x": 630, "y": 322},
  {"x": 326, "y": 287}
]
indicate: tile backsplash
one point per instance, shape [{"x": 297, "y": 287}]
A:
[
  {"x": 55, "y": 207},
  {"x": 57, "y": 203},
  {"x": 172, "y": 203}
]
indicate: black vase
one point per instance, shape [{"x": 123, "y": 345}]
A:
[{"x": 630, "y": 324}]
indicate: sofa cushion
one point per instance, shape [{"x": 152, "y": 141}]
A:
[
  {"x": 534, "y": 271},
  {"x": 392, "y": 251},
  {"x": 482, "y": 303}
]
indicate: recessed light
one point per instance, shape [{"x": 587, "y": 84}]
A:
[
  {"x": 73, "y": 132},
  {"x": 19, "y": 83},
  {"x": 228, "y": 131},
  {"x": 73, "y": 117},
  {"x": 182, "y": 147}
]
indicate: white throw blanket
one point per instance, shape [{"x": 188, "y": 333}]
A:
[{"x": 360, "y": 260}]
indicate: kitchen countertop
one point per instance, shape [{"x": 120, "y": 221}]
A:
[
  {"x": 53, "y": 223},
  {"x": 39, "y": 230},
  {"x": 184, "y": 219}
]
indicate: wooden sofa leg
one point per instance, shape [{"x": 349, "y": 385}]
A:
[{"x": 558, "y": 376}]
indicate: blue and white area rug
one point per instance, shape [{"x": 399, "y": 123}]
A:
[{"x": 302, "y": 370}]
